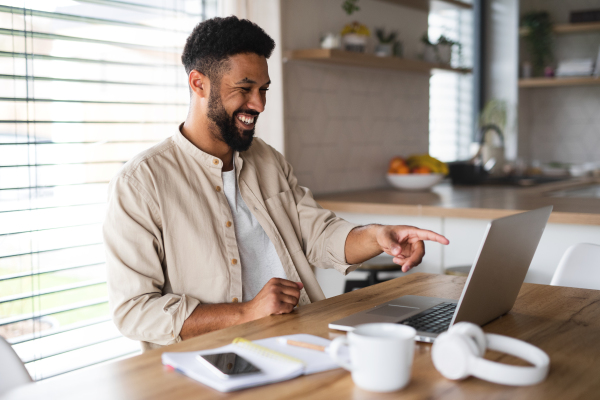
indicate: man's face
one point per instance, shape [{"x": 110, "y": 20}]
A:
[{"x": 238, "y": 98}]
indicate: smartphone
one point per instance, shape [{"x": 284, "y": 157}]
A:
[{"x": 227, "y": 365}]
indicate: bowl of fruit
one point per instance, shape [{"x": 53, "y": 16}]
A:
[{"x": 417, "y": 172}]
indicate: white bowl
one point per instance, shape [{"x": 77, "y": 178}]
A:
[{"x": 414, "y": 181}]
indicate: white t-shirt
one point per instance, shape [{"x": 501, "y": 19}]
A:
[{"x": 258, "y": 257}]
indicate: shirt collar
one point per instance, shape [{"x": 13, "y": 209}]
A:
[{"x": 202, "y": 157}]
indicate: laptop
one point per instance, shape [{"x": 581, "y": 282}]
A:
[{"x": 491, "y": 289}]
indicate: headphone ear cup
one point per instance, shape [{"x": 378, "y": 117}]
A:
[
  {"x": 452, "y": 354},
  {"x": 473, "y": 332}
]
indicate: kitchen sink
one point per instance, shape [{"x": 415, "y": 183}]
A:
[
  {"x": 524, "y": 180},
  {"x": 590, "y": 191}
]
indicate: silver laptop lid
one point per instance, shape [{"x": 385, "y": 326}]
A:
[{"x": 500, "y": 266}]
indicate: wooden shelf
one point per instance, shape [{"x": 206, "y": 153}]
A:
[
  {"x": 557, "y": 82},
  {"x": 570, "y": 28},
  {"x": 341, "y": 57},
  {"x": 574, "y": 28},
  {"x": 425, "y": 5}
]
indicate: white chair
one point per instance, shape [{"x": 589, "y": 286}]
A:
[
  {"x": 12, "y": 371},
  {"x": 579, "y": 267}
]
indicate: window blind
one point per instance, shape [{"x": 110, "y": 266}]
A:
[
  {"x": 452, "y": 95},
  {"x": 84, "y": 86}
]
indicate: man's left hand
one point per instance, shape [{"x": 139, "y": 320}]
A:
[{"x": 405, "y": 243}]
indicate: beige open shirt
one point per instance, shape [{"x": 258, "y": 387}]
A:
[{"x": 171, "y": 244}]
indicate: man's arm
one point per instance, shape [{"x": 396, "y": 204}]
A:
[
  {"x": 140, "y": 310},
  {"x": 331, "y": 241},
  {"x": 404, "y": 243},
  {"x": 134, "y": 250},
  {"x": 278, "y": 296}
]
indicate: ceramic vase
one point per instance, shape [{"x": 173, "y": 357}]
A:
[
  {"x": 355, "y": 42},
  {"x": 444, "y": 53}
]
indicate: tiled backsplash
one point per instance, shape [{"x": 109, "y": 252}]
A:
[
  {"x": 560, "y": 124},
  {"x": 343, "y": 124}
]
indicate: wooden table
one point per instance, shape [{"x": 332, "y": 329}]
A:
[{"x": 564, "y": 322}]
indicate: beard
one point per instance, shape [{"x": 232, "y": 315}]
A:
[{"x": 228, "y": 131}]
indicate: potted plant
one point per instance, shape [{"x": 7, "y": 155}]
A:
[
  {"x": 385, "y": 48},
  {"x": 444, "y": 49},
  {"x": 354, "y": 35},
  {"x": 398, "y": 49},
  {"x": 430, "y": 51},
  {"x": 538, "y": 39}
]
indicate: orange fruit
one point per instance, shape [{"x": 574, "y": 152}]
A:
[
  {"x": 396, "y": 163},
  {"x": 421, "y": 170},
  {"x": 403, "y": 170}
]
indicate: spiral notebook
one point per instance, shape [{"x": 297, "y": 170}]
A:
[{"x": 277, "y": 361}]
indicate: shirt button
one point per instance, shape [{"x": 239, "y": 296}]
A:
[
  {"x": 233, "y": 261},
  {"x": 216, "y": 161},
  {"x": 218, "y": 188},
  {"x": 228, "y": 224},
  {"x": 234, "y": 300}
]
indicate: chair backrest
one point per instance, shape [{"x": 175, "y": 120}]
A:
[
  {"x": 579, "y": 267},
  {"x": 12, "y": 371}
]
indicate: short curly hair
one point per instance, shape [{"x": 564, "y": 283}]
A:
[{"x": 213, "y": 41}]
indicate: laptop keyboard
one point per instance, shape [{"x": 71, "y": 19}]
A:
[{"x": 435, "y": 319}]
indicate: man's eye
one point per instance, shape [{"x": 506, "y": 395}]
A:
[
  {"x": 245, "y": 89},
  {"x": 264, "y": 90}
]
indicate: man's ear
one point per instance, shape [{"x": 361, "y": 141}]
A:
[{"x": 199, "y": 83}]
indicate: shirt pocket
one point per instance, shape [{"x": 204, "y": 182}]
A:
[{"x": 282, "y": 210}]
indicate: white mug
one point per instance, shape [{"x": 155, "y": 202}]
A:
[{"x": 381, "y": 355}]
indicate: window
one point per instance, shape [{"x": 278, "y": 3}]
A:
[
  {"x": 84, "y": 86},
  {"x": 451, "y": 95}
]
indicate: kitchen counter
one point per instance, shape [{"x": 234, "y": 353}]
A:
[{"x": 479, "y": 202}]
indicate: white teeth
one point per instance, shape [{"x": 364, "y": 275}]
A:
[{"x": 246, "y": 120}]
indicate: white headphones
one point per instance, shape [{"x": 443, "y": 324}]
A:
[{"x": 459, "y": 352}]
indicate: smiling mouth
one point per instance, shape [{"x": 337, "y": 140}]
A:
[{"x": 247, "y": 120}]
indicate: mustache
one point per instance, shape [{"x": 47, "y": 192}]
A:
[{"x": 248, "y": 112}]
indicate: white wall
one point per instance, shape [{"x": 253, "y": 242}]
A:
[
  {"x": 501, "y": 63},
  {"x": 267, "y": 15}
]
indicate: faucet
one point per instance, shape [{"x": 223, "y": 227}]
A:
[
  {"x": 490, "y": 157},
  {"x": 488, "y": 127}
]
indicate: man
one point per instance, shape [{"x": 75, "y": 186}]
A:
[{"x": 210, "y": 228}]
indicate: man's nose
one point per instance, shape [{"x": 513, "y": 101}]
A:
[{"x": 257, "y": 101}]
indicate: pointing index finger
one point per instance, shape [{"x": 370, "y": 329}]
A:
[{"x": 424, "y": 234}]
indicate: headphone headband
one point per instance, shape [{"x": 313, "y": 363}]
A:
[
  {"x": 459, "y": 352},
  {"x": 512, "y": 374}
]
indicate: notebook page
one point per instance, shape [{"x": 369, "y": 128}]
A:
[
  {"x": 314, "y": 360},
  {"x": 271, "y": 370}
]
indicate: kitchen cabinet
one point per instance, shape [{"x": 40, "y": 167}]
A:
[
  {"x": 465, "y": 235},
  {"x": 332, "y": 282}
]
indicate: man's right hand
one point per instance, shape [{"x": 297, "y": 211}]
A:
[{"x": 278, "y": 296}]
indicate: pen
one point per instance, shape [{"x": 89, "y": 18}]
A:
[{"x": 301, "y": 344}]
